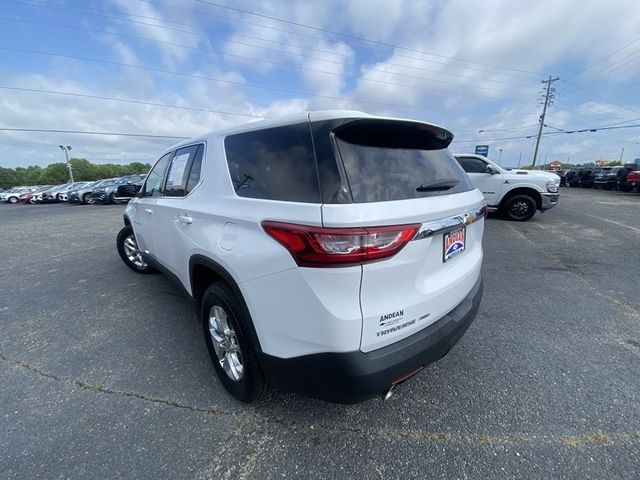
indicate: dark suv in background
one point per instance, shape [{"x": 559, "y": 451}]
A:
[
  {"x": 127, "y": 191},
  {"x": 106, "y": 193},
  {"x": 614, "y": 178}
]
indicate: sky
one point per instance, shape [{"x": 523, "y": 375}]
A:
[{"x": 180, "y": 68}]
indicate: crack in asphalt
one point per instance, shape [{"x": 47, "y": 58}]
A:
[
  {"x": 94, "y": 388},
  {"x": 257, "y": 420}
]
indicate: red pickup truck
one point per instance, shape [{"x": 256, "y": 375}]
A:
[{"x": 633, "y": 179}]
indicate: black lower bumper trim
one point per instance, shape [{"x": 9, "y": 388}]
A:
[{"x": 351, "y": 377}]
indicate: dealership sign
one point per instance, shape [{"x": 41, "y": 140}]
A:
[{"x": 482, "y": 150}]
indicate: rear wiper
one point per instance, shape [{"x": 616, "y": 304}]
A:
[{"x": 438, "y": 186}]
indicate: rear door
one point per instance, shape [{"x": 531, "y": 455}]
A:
[
  {"x": 174, "y": 218},
  {"x": 402, "y": 173},
  {"x": 490, "y": 184}
]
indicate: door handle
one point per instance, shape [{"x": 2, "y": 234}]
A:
[
  {"x": 185, "y": 219},
  {"x": 148, "y": 211}
]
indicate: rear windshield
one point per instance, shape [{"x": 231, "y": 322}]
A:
[{"x": 386, "y": 161}]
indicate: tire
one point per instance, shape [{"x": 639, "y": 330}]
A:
[
  {"x": 13, "y": 200},
  {"x": 86, "y": 199},
  {"x": 241, "y": 375},
  {"x": 519, "y": 208},
  {"x": 127, "y": 248},
  {"x": 112, "y": 199}
]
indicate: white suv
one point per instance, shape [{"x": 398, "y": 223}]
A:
[
  {"x": 332, "y": 254},
  {"x": 517, "y": 194}
]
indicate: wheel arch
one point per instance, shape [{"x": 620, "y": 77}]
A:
[
  {"x": 203, "y": 271},
  {"x": 532, "y": 192}
]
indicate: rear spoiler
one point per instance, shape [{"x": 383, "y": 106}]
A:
[{"x": 391, "y": 133}]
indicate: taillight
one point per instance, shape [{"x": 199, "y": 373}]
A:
[{"x": 340, "y": 247}]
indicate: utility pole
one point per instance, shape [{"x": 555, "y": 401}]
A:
[
  {"x": 519, "y": 159},
  {"x": 547, "y": 99},
  {"x": 500, "y": 157},
  {"x": 66, "y": 150},
  {"x": 621, "y": 153}
]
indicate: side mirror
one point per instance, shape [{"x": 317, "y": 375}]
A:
[{"x": 490, "y": 170}]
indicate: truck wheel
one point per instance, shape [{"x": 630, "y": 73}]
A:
[
  {"x": 129, "y": 251},
  {"x": 226, "y": 331},
  {"x": 519, "y": 208}
]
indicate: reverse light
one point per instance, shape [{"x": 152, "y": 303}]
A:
[{"x": 339, "y": 247}]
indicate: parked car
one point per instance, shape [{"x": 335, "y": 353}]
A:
[
  {"x": 74, "y": 195},
  {"x": 83, "y": 194},
  {"x": 333, "y": 254},
  {"x": 572, "y": 177},
  {"x": 633, "y": 179},
  {"x": 63, "y": 194},
  {"x": 28, "y": 197},
  {"x": 587, "y": 176},
  {"x": 126, "y": 192},
  {"x": 517, "y": 194},
  {"x": 51, "y": 195},
  {"x": 606, "y": 178},
  {"x": 107, "y": 193},
  {"x": 13, "y": 194},
  {"x": 622, "y": 184}
]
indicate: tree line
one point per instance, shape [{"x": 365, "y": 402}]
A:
[{"x": 57, "y": 173}]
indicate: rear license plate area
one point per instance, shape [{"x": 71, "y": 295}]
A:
[{"x": 453, "y": 243}]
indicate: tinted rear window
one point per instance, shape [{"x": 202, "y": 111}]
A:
[
  {"x": 274, "y": 164},
  {"x": 386, "y": 161}
]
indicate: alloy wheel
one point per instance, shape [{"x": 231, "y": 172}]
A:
[
  {"x": 225, "y": 343},
  {"x": 133, "y": 253},
  {"x": 519, "y": 209}
]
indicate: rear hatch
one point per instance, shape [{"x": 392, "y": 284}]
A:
[{"x": 401, "y": 173}]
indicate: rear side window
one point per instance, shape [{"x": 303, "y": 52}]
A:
[
  {"x": 196, "y": 168},
  {"x": 179, "y": 173},
  {"x": 472, "y": 164},
  {"x": 386, "y": 161},
  {"x": 274, "y": 164}
]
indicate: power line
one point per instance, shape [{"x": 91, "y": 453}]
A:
[
  {"x": 588, "y": 95},
  {"x": 551, "y": 134},
  {"x": 204, "y": 77},
  {"x": 602, "y": 59},
  {"x": 88, "y": 132},
  {"x": 362, "y": 39},
  {"x": 126, "y": 100},
  {"x": 280, "y": 50},
  {"x": 253, "y": 59},
  {"x": 316, "y": 37},
  {"x": 607, "y": 70}
]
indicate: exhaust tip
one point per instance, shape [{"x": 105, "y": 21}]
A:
[{"x": 389, "y": 393}]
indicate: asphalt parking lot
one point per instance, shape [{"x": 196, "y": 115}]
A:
[{"x": 104, "y": 373}]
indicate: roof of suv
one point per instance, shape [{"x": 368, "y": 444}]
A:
[{"x": 314, "y": 116}]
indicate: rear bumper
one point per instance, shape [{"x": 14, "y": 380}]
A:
[
  {"x": 549, "y": 200},
  {"x": 351, "y": 377}
]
